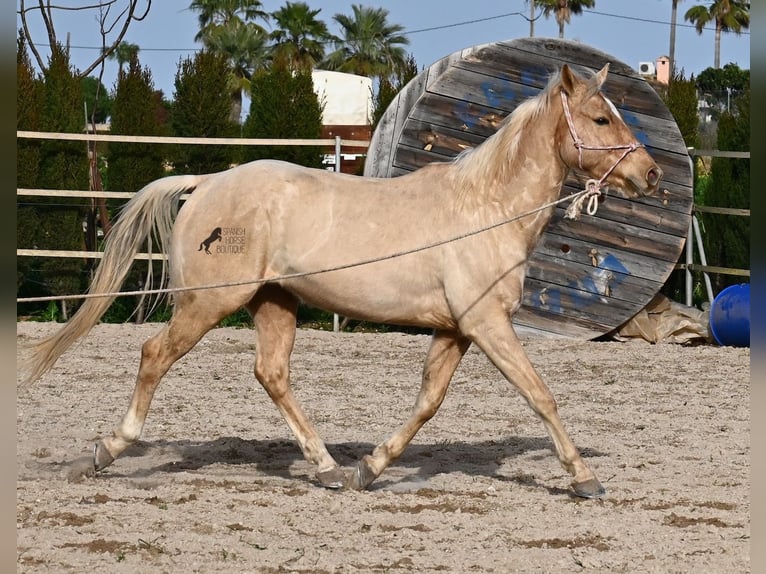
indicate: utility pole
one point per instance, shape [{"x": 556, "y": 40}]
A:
[
  {"x": 531, "y": 18},
  {"x": 672, "y": 52}
]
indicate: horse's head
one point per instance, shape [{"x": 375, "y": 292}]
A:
[{"x": 594, "y": 139}]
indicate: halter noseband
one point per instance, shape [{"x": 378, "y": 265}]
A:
[{"x": 592, "y": 186}]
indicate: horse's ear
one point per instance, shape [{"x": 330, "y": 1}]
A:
[
  {"x": 568, "y": 80},
  {"x": 602, "y": 74}
]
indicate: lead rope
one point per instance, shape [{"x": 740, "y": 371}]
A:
[
  {"x": 168, "y": 290},
  {"x": 592, "y": 190}
]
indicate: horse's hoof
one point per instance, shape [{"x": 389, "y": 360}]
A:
[
  {"x": 332, "y": 478},
  {"x": 589, "y": 489},
  {"x": 361, "y": 476},
  {"x": 101, "y": 457}
]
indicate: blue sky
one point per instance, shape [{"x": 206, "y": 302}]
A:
[{"x": 631, "y": 31}]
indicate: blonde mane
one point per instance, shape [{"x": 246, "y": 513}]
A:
[{"x": 494, "y": 160}]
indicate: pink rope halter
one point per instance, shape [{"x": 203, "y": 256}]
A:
[{"x": 592, "y": 186}]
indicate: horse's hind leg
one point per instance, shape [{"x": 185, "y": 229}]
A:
[
  {"x": 446, "y": 351},
  {"x": 194, "y": 315},
  {"x": 274, "y": 315}
]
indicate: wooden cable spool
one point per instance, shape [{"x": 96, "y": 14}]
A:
[{"x": 585, "y": 277}]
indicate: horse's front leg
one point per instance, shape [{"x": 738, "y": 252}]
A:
[
  {"x": 446, "y": 351},
  {"x": 495, "y": 335}
]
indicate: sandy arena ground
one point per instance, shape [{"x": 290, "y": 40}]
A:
[{"x": 218, "y": 484}]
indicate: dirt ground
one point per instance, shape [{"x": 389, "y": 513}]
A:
[{"x": 218, "y": 484}]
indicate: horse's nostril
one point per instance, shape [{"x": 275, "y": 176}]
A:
[{"x": 653, "y": 176}]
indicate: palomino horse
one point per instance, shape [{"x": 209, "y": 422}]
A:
[{"x": 275, "y": 234}]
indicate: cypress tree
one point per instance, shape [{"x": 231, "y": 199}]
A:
[
  {"x": 284, "y": 105},
  {"x": 681, "y": 99},
  {"x": 727, "y": 237},
  {"x": 202, "y": 109},
  {"x": 28, "y": 92},
  {"x": 136, "y": 109},
  {"x": 389, "y": 87},
  {"x": 63, "y": 165}
]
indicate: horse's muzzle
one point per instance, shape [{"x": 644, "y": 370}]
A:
[{"x": 653, "y": 178}]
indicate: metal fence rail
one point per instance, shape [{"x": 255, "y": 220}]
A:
[{"x": 694, "y": 234}]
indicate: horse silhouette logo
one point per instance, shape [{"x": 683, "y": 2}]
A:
[{"x": 214, "y": 236}]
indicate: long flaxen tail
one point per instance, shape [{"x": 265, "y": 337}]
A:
[{"x": 149, "y": 213}]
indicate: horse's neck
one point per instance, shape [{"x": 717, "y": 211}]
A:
[{"x": 537, "y": 171}]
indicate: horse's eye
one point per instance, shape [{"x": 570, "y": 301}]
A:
[{"x": 602, "y": 121}]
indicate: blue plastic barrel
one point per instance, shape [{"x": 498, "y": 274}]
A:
[{"x": 730, "y": 316}]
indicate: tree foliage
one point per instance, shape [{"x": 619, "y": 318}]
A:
[
  {"x": 680, "y": 96},
  {"x": 726, "y": 15},
  {"x": 284, "y": 105},
  {"x": 299, "y": 37},
  {"x": 57, "y": 223},
  {"x": 137, "y": 111},
  {"x": 727, "y": 237},
  {"x": 721, "y": 86},
  {"x": 562, "y": 10},
  {"x": 681, "y": 99},
  {"x": 28, "y": 106},
  {"x": 230, "y": 28},
  {"x": 201, "y": 108},
  {"x": 98, "y": 102},
  {"x": 369, "y": 44},
  {"x": 28, "y": 103},
  {"x": 389, "y": 87}
]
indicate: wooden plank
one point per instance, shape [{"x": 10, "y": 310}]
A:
[
  {"x": 186, "y": 140},
  {"x": 82, "y": 254},
  {"x": 624, "y": 85},
  {"x": 531, "y": 322},
  {"x": 437, "y": 139},
  {"x": 647, "y": 212},
  {"x": 722, "y": 210},
  {"x": 567, "y": 304},
  {"x": 448, "y": 142},
  {"x": 714, "y": 269},
  {"x": 579, "y": 251},
  {"x": 592, "y": 279},
  {"x": 654, "y": 244},
  {"x": 675, "y": 197},
  {"x": 719, "y": 153},
  {"x": 482, "y": 120},
  {"x": 386, "y": 136},
  {"x": 501, "y": 94}
]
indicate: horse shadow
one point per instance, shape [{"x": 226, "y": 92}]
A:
[{"x": 418, "y": 463}]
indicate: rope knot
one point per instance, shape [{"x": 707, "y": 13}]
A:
[{"x": 591, "y": 193}]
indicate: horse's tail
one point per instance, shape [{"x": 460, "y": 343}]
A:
[{"x": 149, "y": 213}]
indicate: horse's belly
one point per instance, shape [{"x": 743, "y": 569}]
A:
[{"x": 374, "y": 299}]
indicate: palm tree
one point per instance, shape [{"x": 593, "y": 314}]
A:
[
  {"x": 227, "y": 27},
  {"x": 728, "y": 15},
  {"x": 672, "y": 51},
  {"x": 563, "y": 10},
  {"x": 123, "y": 53},
  {"x": 369, "y": 46},
  {"x": 299, "y": 40},
  {"x": 215, "y": 13}
]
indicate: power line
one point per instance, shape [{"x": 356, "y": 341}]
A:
[
  {"x": 652, "y": 21},
  {"x": 458, "y": 24},
  {"x": 464, "y": 23}
]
